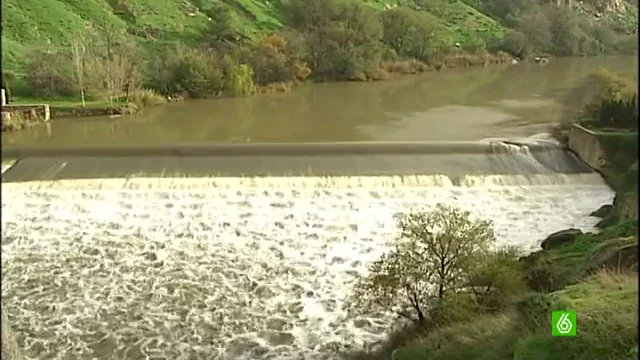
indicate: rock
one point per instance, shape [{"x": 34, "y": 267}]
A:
[
  {"x": 240, "y": 345},
  {"x": 609, "y": 220},
  {"x": 295, "y": 308},
  {"x": 560, "y": 237},
  {"x": 276, "y": 324},
  {"x": 361, "y": 323},
  {"x": 277, "y": 338},
  {"x": 603, "y": 211},
  {"x": 618, "y": 254},
  {"x": 150, "y": 256},
  {"x": 531, "y": 258},
  {"x": 264, "y": 292}
]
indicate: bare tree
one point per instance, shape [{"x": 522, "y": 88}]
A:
[
  {"x": 113, "y": 78},
  {"x": 79, "y": 50}
]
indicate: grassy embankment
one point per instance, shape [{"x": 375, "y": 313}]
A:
[
  {"x": 594, "y": 274},
  {"x": 567, "y": 277},
  {"x": 153, "y": 26}
]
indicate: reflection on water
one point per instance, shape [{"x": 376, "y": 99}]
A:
[{"x": 452, "y": 105}]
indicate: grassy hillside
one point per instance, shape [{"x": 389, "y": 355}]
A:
[
  {"x": 33, "y": 24},
  {"x": 607, "y": 311},
  {"x": 196, "y": 48}
]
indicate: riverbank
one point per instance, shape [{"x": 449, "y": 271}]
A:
[{"x": 74, "y": 107}]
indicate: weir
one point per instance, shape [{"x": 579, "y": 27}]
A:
[{"x": 418, "y": 164}]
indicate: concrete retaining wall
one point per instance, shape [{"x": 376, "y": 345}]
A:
[{"x": 585, "y": 144}]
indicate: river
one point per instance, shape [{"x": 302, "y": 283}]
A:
[
  {"x": 468, "y": 104},
  {"x": 112, "y": 261}
]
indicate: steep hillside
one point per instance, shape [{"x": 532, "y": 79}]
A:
[
  {"x": 32, "y": 24},
  {"x": 196, "y": 47}
]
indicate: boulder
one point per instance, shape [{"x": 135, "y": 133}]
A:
[
  {"x": 603, "y": 211},
  {"x": 618, "y": 254},
  {"x": 530, "y": 259},
  {"x": 277, "y": 338},
  {"x": 559, "y": 238}
]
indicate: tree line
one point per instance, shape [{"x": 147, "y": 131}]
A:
[{"x": 322, "y": 40}]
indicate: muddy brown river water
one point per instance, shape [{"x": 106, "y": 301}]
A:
[{"x": 453, "y": 105}]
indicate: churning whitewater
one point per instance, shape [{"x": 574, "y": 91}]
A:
[{"x": 254, "y": 268}]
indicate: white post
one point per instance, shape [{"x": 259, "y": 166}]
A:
[{"x": 4, "y": 99}]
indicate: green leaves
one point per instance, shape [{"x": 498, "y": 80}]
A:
[{"x": 434, "y": 257}]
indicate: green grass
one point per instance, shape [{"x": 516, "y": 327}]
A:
[
  {"x": 607, "y": 309},
  {"x": 59, "y": 102}
]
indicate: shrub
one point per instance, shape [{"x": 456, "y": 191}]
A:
[
  {"x": 497, "y": 279},
  {"x": 404, "y": 66},
  {"x": 147, "y": 98},
  {"x": 112, "y": 77},
  {"x": 432, "y": 259},
  {"x": 50, "y": 74},
  {"x": 194, "y": 72},
  {"x": 274, "y": 60},
  {"x": 619, "y": 113},
  {"x": 239, "y": 81},
  {"x": 342, "y": 37},
  {"x": 410, "y": 33}
]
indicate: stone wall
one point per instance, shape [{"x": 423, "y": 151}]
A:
[
  {"x": 586, "y": 145},
  {"x": 15, "y": 117}
]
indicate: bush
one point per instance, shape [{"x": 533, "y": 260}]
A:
[
  {"x": 50, "y": 74},
  {"x": 275, "y": 60},
  {"x": 410, "y": 33},
  {"x": 194, "y": 72},
  {"x": 147, "y": 98},
  {"x": 112, "y": 78},
  {"x": 433, "y": 259},
  {"x": 404, "y": 66},
  {"x": 239, "y": 80},
  {"x": 600, "y": 87},
  {"x": 535, "y": 311},
  {"x": 343, "y": 38},
  {"x": 497, "y": 279},
  {"x": 619, "y": 113}
]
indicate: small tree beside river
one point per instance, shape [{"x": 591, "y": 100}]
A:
[{"x": 437, "y": 254}]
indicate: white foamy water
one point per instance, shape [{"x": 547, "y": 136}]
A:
[
  {"x": 7, "y": 164},
  {"x": 236, "y": 268}
]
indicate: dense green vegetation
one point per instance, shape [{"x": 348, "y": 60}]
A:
[{"x": 204, "y": 48}]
